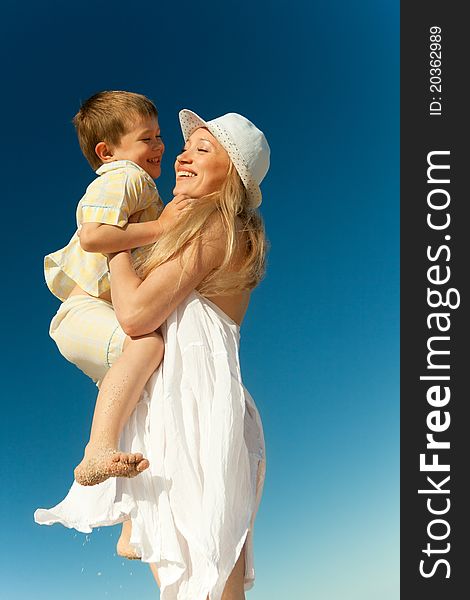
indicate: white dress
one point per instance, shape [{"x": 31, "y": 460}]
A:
[{"x": 193, "y": 509}]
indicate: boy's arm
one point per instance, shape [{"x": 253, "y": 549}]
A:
[
  {"x": 103, "y": 238},
  {"x": 99, "y": 237}
]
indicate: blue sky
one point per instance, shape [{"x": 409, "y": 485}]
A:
[{"x": 320, "y": 342}]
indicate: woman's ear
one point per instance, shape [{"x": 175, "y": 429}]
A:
[{"x": 104, "y": 152}]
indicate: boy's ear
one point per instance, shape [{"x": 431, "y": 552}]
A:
[{"x": 104, "y": 152}]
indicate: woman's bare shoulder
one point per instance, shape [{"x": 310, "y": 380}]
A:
[
  {"x": 214, "y": 228},
  {"x": 234, "y": 306},
  {"x": 236, "y": 303}
]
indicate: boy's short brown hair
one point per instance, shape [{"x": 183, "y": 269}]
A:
[{"x": 106, "y": 117}]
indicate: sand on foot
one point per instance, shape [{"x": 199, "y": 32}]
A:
[{"x": 98, "y": 465}]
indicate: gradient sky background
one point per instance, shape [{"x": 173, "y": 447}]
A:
[{"x": 320, "y": 342}]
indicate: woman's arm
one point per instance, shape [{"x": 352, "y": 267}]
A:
[{"x": 142, "y": 306}]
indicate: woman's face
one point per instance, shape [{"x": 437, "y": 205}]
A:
[{"x": 202, "y": 166}]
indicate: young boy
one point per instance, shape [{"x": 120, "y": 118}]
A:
[{"x": 120, "y": 136}]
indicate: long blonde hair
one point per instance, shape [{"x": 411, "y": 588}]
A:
[{"x": 239, "y": 270}]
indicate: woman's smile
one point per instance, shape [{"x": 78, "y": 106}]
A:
[
  {"x": 184, "y": 172},
  {"x": 202, "y": 166}
]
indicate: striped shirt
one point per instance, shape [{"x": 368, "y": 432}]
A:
[{"x": 121, "y": 190}]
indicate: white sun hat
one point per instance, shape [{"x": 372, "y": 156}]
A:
[{"x": 245, "y": 144}]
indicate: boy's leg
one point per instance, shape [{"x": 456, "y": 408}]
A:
[
  {"x": 119, "y": 393},
  {"x": 88, "y": 334}
]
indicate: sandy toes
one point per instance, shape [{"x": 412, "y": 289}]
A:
[{"x": 99, "y": 465}]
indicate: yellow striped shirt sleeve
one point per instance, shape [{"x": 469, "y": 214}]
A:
[{"x": 112, "y": 199}]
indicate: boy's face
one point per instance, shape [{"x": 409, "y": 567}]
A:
[{"x": 143, "y": 145}]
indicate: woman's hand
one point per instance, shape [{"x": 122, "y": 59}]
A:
[{"x": 111, "y": 255}]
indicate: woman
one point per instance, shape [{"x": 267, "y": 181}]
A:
[{"x": 192, "y": 511}]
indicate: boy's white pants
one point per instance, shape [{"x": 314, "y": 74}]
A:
[{"x": 88, "y": 334}]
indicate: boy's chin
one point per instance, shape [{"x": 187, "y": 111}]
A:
[{"x": 154, "y": 173}]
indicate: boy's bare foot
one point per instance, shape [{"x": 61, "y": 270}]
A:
[
  {"x": 103, "y": 463},
  {"x": 123, "y": 547}
]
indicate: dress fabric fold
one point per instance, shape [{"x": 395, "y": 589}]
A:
[{"x": 193, "y": 509}]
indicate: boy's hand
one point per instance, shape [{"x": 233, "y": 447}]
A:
[{"x": 173, "y": 211}]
